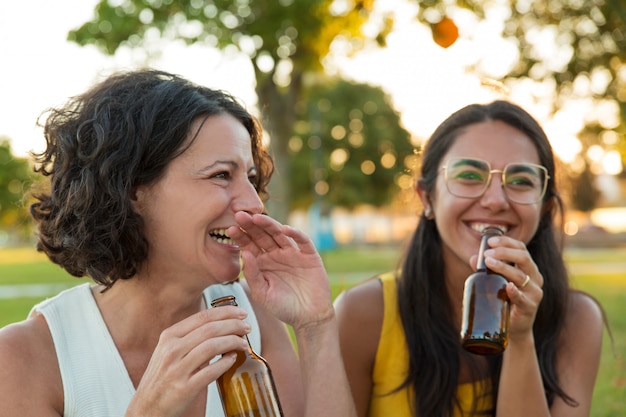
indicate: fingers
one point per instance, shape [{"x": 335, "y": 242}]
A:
[
  {"x": 213, "y": 370},
  {"x": 211, "y": 334},
  {"x": 259, "y": 233},
  {"x": 197, "y": 339},
  {"x": 184, "y": 327},
  {"x": 525, "y": 283},
  {"x": 510, "y": 258},
  {"x": 186, "y": 359}
]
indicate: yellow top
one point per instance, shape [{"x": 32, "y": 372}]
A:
[{"x": 391, "y": 366}]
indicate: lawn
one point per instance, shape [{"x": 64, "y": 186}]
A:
[{"x": 599, "y": 272}]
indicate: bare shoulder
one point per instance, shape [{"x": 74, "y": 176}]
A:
[
  {"x": 584, "y": 314},
  {"x": 28, "y": 359},
  {"x": 363, "y": 303},
  {"x": 584, "y": 320},
  {"x": 360, "y": 312},
  {"x": 579, "y": 351}
]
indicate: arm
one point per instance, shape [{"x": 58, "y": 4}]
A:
[
  {"x": 577, "y": 367},
  {"x": 287, "y": 277},
  {"x": 521, "y": 389},
  {"x": 31, "y": 382},
  {"x": 360, "y": 315},
  {"x": 327, "y": 389},
  {"x": 579, "y": 355}
]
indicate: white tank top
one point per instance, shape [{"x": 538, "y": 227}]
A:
[{"x": 95, "y": 380}]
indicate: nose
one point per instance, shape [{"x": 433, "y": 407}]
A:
[
  {"x": 247, "y": 199},
  {"x": 494, "y": 196}
]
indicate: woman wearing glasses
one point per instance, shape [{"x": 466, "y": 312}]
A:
[{"x": 486, "y": 165}]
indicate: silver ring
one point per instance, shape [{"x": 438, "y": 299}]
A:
[{"x": 525, "y": 283}]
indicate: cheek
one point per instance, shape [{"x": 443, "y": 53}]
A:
[
  {"x": 445, "y": 205},
  {"x": 531, "y": 219}
]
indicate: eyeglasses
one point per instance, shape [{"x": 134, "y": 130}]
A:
[{"x": 523, "y": 183}]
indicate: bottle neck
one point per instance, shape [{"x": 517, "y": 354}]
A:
[
  {"x": 231, "y": 301},
  {"x": 486, "y": 234}
]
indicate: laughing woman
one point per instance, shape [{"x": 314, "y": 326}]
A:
[
  {"x": 400, "y": 332},
  {"x": 156, "y": 188}
]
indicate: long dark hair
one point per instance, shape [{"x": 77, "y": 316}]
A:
[
  {"x": 102, "y": 145},
  {"x": 432, "y": 338}
]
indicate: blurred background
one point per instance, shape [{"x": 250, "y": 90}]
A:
[{"x": 348, "y": 92}]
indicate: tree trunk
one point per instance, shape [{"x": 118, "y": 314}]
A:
[{"x": 278, "y": 116}]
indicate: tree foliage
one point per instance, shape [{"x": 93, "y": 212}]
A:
[
  {"x": 573, "y": 48},
  {"x": 591, "y": 55},
  {"x": 348, "y": 146},
  {"x": 285, "y": 39},
  {"x": 16, "y": 177},
  {"x": 584, "y": 193}
]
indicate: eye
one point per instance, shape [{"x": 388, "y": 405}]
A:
[
  {"x": 253, "y": 177},
  {"x": 523, "y": 181},
  {"x": 469, "y": 174},
  {"x": 523, "y": 177},
  {"x": 221, "y": 175}
]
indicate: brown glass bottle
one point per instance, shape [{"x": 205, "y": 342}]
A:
[
  {"x": 485, "y": 325},
  {"x": 247, "y": 389}
]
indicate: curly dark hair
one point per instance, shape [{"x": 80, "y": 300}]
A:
[
  {"x": 433, "y": 342},
  {"x": 102, "y": 145}
]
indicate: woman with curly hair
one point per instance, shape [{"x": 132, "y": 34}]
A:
[
  {"x": 156, "y": 188},
  {"x": 486, "y": 165}
]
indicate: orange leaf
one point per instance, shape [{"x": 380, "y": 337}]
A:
[{"x": 445, "y": 32}]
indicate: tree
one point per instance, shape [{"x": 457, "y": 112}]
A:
[
  {"x": 285, "y": 40},
  {"x": 348, "y": 146},
  {"x": 589, "y": 64},
  {"x": 584, "y": 194},
  {"x": 576, "y": 48},
  {"x": 15, "y": 178}
]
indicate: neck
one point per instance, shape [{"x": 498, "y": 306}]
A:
[{"x": 137, "y": 311}]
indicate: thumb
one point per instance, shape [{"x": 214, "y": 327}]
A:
[{"x": 472, "y": 261}]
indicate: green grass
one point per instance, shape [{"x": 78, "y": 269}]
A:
[
  {"x": 25, "y": 266},
  {"x": 610, "y": 389},
  {"x": 361, "y": 259}
]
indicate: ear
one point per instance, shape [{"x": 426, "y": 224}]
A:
[
  {"x": 425, "y": 198},
  {"x": 137, "y": 200}
]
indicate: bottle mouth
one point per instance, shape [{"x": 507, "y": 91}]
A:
[
  {"x": 480, "y": 227},
  {"x": 493, "y": 230}
]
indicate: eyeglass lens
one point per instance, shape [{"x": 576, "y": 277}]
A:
[{"x": 468, "y": 177}]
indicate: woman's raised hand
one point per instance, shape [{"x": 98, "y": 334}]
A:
[{"x": 283, "y": 269}]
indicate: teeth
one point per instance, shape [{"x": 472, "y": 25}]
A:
[
  {"x": 221, "y": 236},
  {"x": 482, "y": 226}
]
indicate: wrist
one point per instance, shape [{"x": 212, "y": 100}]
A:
[
  {"x": 522, "y": 342},
  {"x": 317, "y": 329}
]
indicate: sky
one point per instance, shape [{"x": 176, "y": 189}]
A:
[{"x": 40, "y": 68}]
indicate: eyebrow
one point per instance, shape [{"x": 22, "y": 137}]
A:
[
  {"x": 522, "y": 167},
  {"x": 478, "y": 163},
  {"x": 233, "y": 164}
]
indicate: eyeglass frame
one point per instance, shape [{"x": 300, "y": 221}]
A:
[{"x": 502, "y": 179}]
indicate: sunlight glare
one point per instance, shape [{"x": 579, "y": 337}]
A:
[{"x": 612, "y": 163}]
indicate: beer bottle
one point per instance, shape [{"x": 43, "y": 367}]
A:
[
  {"x": 247, "y": 389},
  {"x": 485, "y": 325}
]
